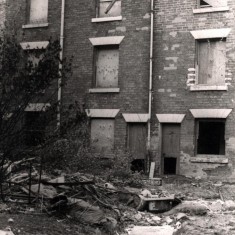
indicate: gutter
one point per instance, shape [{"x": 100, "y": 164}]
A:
[
  {"x": 150, "y": 79},
  {"x": 60, "y": 65}
]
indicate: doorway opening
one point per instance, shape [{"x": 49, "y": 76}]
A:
[
  {"x": 169, "y": 166},
  {"x": 138, "y": 165}
]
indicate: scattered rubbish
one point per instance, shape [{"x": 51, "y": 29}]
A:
[
  {"x": 151, "y": 230},
  {"x": 190, "y": 207},
  {"x": 10, "y": 221},
  {"x": 229, "y": 205},
  {"x": 7, "y": 231},
  {"x": 85, "y": 212},
  {"x": 109, "y": 186}
]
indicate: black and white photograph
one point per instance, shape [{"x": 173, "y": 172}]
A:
[{"x": 117, "y": 117}]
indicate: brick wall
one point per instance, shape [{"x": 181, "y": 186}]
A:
[
  {"x": 2, "y": 14},
  {"x": 133, "y": 59},
  {"x": 174, "y": 54}
]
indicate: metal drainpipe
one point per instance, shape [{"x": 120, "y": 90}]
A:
[
  {"x": 60, "y": 65},
  {"x": 150, "y": 78}
]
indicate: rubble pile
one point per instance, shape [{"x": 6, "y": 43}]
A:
[{"x": 108, "y": 207}]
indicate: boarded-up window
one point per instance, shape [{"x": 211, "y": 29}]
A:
[
  {"x": 114, "y": 11},
  {"x": 211, "y": 62},
  {"x": 210, "y": 136},
  {"x": 137, "y": 137},
  {"x": 34, "y": 56},
  {"x": 102, "y": 134},
  {"x": 38, "y": 11},
  {"x": 34, "y": 128},
  {"x": 212, "y": 3},
  {"x": 107, "y": 63}
]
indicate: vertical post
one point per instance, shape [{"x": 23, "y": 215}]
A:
[
  {"x": 60, "y": 65},
  {"x": 30, "y": 181},
  {"x": 40, "y": 176}
]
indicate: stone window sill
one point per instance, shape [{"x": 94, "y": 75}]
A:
[
  {"x": 216, "y": 159},
  {"x": 29, "y": 26},
  {"x": 209, "y": 88},
  {"x": 104, "y": 90},
  {"x": 210, "y": 9},
  {"x": 106, "y": 19}
]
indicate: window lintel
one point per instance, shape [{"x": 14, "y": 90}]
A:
[
  {"x": 170, "y": 118},
  {"x": 34, "y": 45},
  {"x": 136, "y": 117},
  {"x": 210, "y": 33},
  {"x": 102, "y": 113},
  {"x": 210, "y": 113},
  {"x": 116, "y": 40}
]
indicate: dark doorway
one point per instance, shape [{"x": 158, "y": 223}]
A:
[
  {"x": 137, "y": 137},
  {"x": 137, "y": 165},
  {"x": 170, "y": 148},
  {"x": 170, "y": 166}
]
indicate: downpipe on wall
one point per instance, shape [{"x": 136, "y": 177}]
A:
[
  {"x": 60, "y": 65},
  {"x": 150, "y": 85}
]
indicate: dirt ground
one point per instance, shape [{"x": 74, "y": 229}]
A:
[{"x": 217, "y": 221}]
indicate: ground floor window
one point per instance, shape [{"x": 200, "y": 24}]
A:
[
  {"x": 210, "y": 136},
  {"x": 34, "y": 128},
  {"x": 102, "y": 134}
]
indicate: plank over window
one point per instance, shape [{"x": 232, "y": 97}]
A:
[
  {"x": 102, "y": 134},
  {"x": 211, "y": 62},
  {"x": 38, "y": 11},
  {"x": 107, "y": 63}
]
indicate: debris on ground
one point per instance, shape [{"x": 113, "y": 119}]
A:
[
  {"x": 110, "y": 207},
  {"x": 7, "y": 231}
]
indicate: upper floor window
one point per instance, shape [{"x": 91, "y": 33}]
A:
[
  {"x": 106, "y": 66},
  {"x": 212, "y": 3},
  {"x": 210, "y": 64},
  {"x": 205, "y": 6},
  {"x": 211, "y": 61},
  {"x": 109, "y": 8},
  {"x": 38, "y": 11},
  {"x": 203, "y": 3}
]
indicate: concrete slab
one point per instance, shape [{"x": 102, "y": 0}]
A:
[{"x": 152, "y": 230}]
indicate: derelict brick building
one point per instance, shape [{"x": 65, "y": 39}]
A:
[{"x": 157, "y": 77}]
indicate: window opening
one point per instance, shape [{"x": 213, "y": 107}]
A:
[
  {"x": 38, "y": 11},
  {"x": 204, "y": 4},
  {"x": 34, "y": 128},
  {"x": 107, "y": 66},
  {"x": 170, "y": 165},
  {"x": 102, "y": 135},
  {"x": 109, "y": 8},
  {"x": 138, "y": 165},
  {"x": 211, "y": 137},
  {"x": 211, "y": 61}
]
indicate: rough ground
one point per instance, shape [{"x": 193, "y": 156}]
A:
[{"x": 219, "y": 219}]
